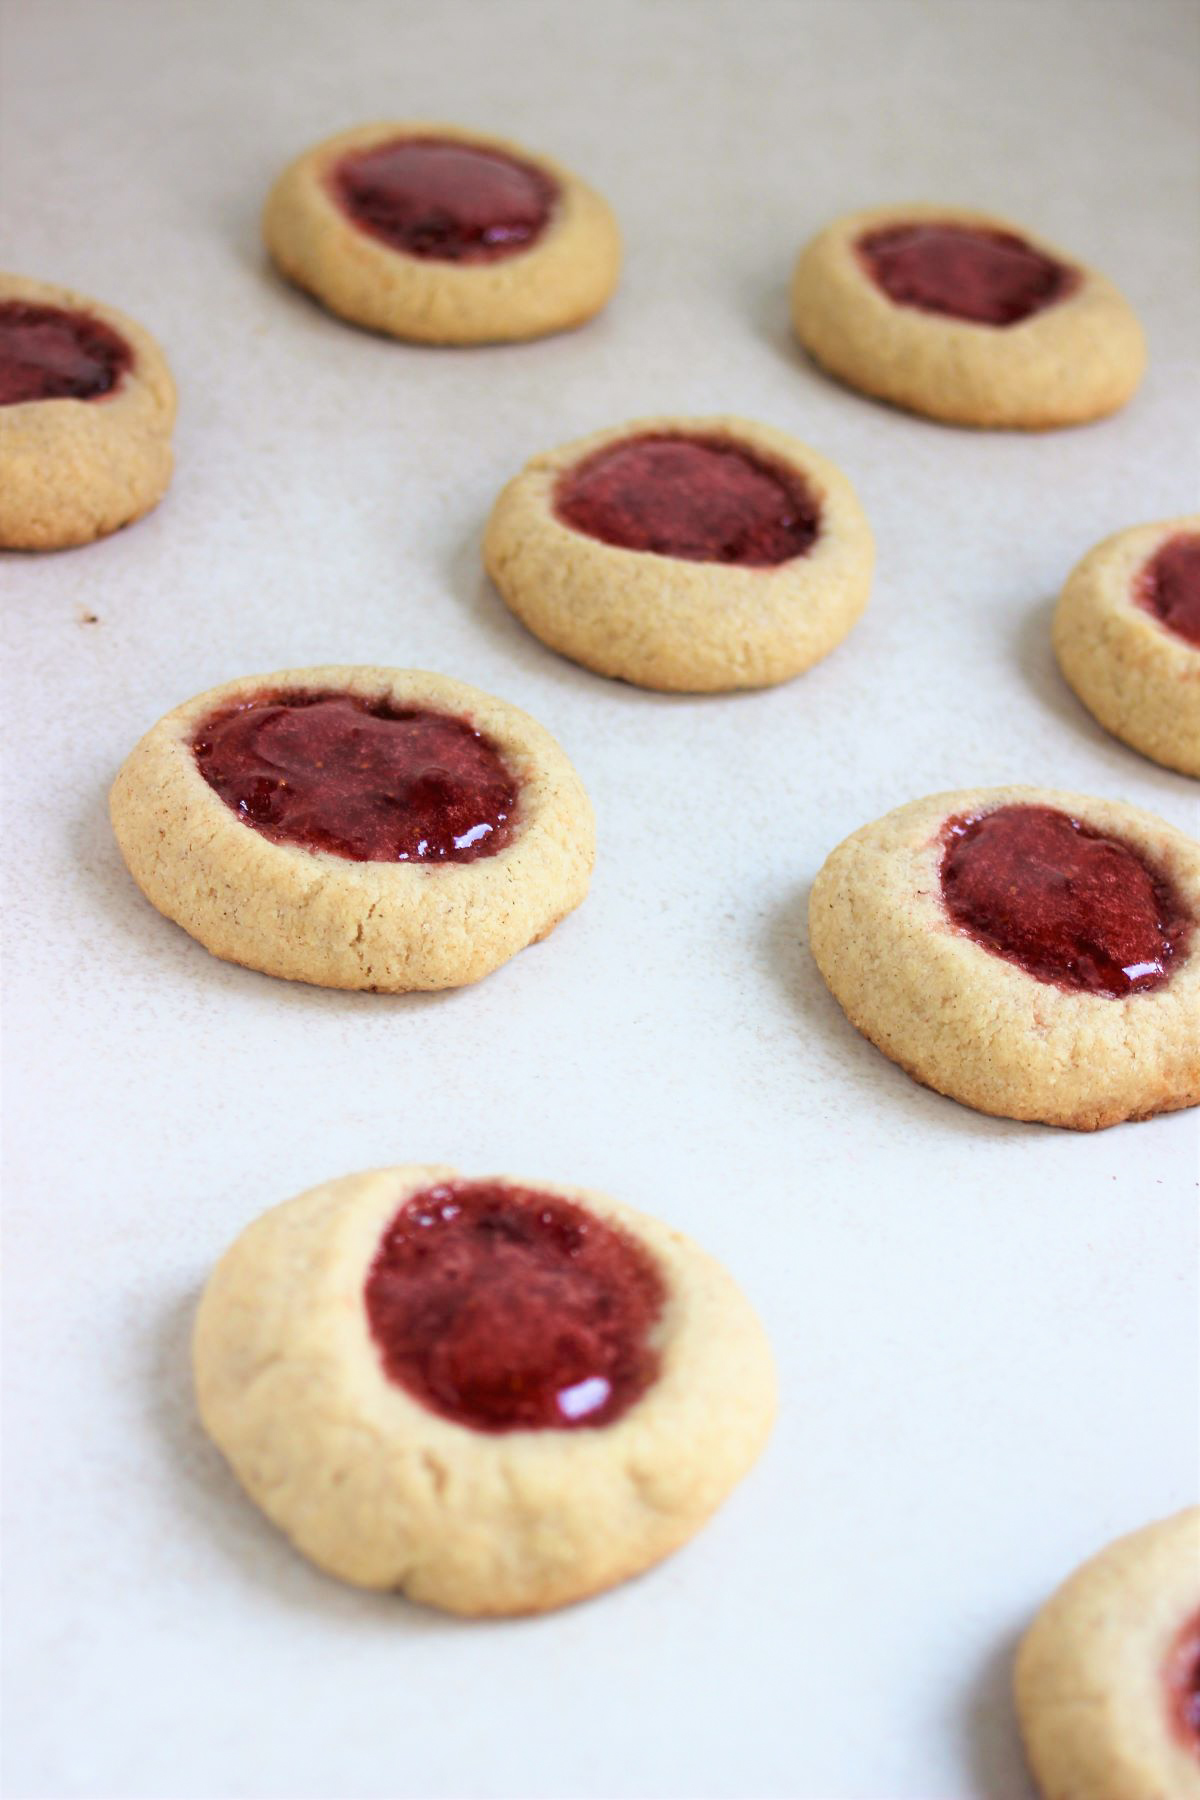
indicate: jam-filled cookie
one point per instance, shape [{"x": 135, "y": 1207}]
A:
[
  {"x": 693, "y": 554},
  {"x": 86, "y": 409},
  {"x": 1108, "y": 1675},
  {"x": 1030, "y": 953},
  {"x": 966, "y": 318},
  {"x": 493, "y": 1395},
  {"x": 356, "y": 827},
  {"x": 443, "y": 236},
  {"x": 1127, "y": 637}
]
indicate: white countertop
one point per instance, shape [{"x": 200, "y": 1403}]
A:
[{"x": 985, "y": 1330}]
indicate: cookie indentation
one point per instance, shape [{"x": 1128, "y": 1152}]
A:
[
  {"x": 506, "y": 1309},
  {"x": 360, "y": 777},
  {"x": 1169, "y": 586},
  {"x": 1065, "y": 903},
  {"x": 446, "y": 201},
  {"x": 48, "y": 353},
  {"x": 1182, "y": 1676},
  {"x": 965, "y": 272},
  {"x": 705, "y": 499}
]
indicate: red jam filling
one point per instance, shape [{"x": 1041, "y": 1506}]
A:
[
  {"x": 360, "y": 777},
  {"x": 1065, "y": 903},
  {"x": 452, "y": 202},
  {"x": 1183, "y": 1684},
  {"x": 49, "y": 354},
  {"x": 965, "y": 272},
  {"x": 706, "y": 499},
  {"x": 1169, "y": 586},
  {"x": 509, "y": 1310}
]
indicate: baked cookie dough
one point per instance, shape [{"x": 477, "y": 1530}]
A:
[
  {"x": 86, "y": 409},
  {"x": 689, "y": 554},
  {"x": 965, "y": 318},
  {"x": 356, "y": 827},
  {"x": 1032, "y": 954},
  {"x": 443, "y": 236},
  {"x": 1127, "y": 638},
  {"x": 493, "y": 1396},
  {"x": 1108, "y": 1675}
]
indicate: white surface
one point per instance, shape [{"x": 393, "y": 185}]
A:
[{"x": 985, "y": 1330}]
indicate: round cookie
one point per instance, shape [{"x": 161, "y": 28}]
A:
[
  {"x": 966, "y": 318},
  {"x": 86, "y": 409},
  {"x": 1030, "y": 953},
  {"x": 1127, "y": 638},
  {"x": 684, "y": 554},
  {"x": 1107, "y": 1678},
  {"x": 443, "y": 236},
  {"x": 492, "y": 1396},
  {"x": 356, "y": 827}
]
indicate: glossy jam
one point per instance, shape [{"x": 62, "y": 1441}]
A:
[
  {"x": 1065, "y": 903},
  {"x": 963, "y": 272},
  {"x": 1169, "y": 586},
  {"x": 706, "y": 499},
  {"x": 49, "y": 354},
  {"x": 359, "y": 777},
  {"x": 1182, "y": 1675},
  {"x": 505, "y": 1309},
  {"x": 451, "y": 202}
]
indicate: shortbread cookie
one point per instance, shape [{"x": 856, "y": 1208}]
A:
[
  {"x": 86, "y": 409},
  {"x": 1108, "y": 1675},
  {"x": 1127, "y": 637},
  {"x": 694, "y": 554},
  {"x": 494, "y": 1396},
  {"x": 356, "y": 827},
  {"x": 1030, "y": 953},
  {"x": 966, "y": 318},
  {"x": 442, "y": 235}
]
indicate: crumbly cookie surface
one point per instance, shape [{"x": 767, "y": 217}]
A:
[
  {"x": 75, "y": 470},
  {"x": 559, "y": 282},
  {"x": 379, "y": 1490},
  {"x": 311, "y": 915},
  {"x": 1076, "y": 360},
  {"x": 1140, "y": 679},
  {"x": 1090, "y": 1675},
  {"x": 665, "y": 622},
  {"x": 974, "y": 1026}
]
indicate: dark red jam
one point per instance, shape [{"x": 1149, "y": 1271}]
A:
[
  {"x": 48, "y": 354},
  {"x": 1183, "y": 1684},
  {"x": 361, "y": 777},
  {"x": 510, "y": 1310},
  {"x": 706, "y": 499},
  {"x": 437, "y": 198},
  {"x": 1065, "y": 903},
  {"x": 965, "y": 272},
  {"x": 1169, "y": 585}
]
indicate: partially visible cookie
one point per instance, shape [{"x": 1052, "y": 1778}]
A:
[
  {"x": 966, "y": 318},
  {"x": 1127, "y": 638},
  {"x": 494, "y": 1396},
  {"x": 1030, "y": 953},
  {"x": 1108, "y": 1676},
  {"x": 356, "y": 827},
  {"x": 86, "y": 409},
  {"x": 690, "y": 554},
  {"x": 443, "y": 236}
]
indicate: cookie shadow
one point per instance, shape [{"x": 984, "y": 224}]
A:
[{"x": 994, "y": 1754}]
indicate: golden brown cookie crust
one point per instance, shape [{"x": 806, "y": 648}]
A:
[
  {"x": 380, "y": 1491},
  {"x": 563, "y": 279},
  {"x": 664, "y": 622},
  {"x": 1089, "y": 1672},
  {"x": 1139, "y": 678},
  {"x": 1076, "y": 360},
  {"x": 310, "y": 915},
  {"x": 977, "y": 1028},
  {"x": 75, "y": 470}
]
